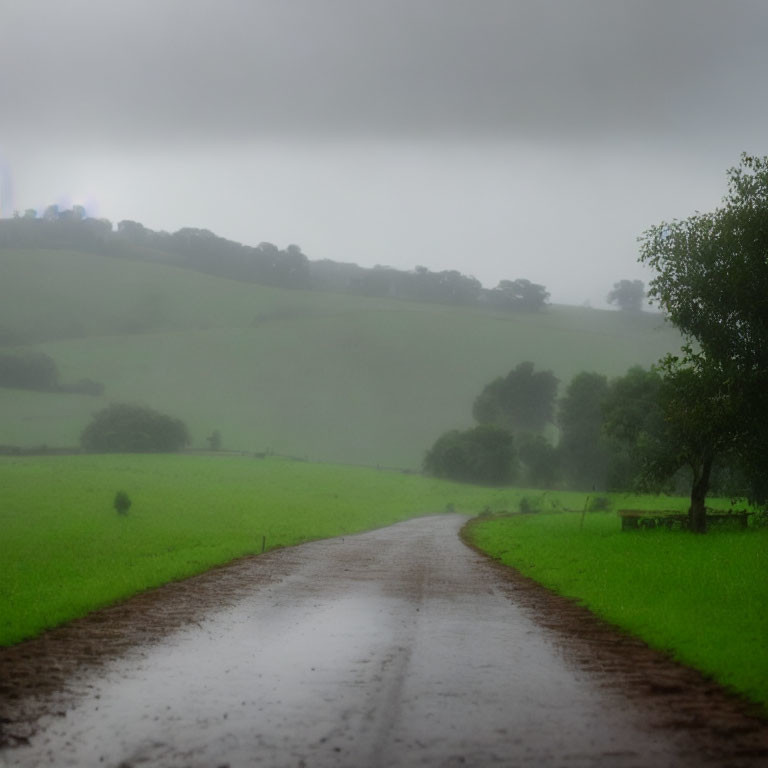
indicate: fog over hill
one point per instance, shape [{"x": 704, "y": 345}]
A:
[
  {"x": 314, "y": 374},
  {"x": 501, "y": 139}
]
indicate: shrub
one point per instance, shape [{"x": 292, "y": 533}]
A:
[
  {"x": 529, "y": 506},
  {"x": 123, "y": 428},
  {"x": 28, "y": 371},
  {"x": 83, "y": 387},
  {"x": 599, "y": 504},
  {"x": 122, "y": 503},
  {"x": 214, "y": 440}
]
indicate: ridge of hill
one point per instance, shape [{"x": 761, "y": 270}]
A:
[
  {"x": 203, "y": 251},
  {"x": 330, "y": 377}
]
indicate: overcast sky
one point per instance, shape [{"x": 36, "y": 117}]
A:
[{"x": 502, "y": 138}]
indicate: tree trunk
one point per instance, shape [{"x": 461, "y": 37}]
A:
[{"x": 697, "y": 514}]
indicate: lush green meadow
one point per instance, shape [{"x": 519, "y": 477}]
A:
[
  {"x": 65, "y": 551},
  {"x": 336, "y": 378},
  {"x": 704, "y": 599}
]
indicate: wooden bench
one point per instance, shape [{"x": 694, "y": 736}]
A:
[{"x": 632, "y": 519}]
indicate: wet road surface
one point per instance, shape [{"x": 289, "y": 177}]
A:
[{"x": 399, "y": 647}]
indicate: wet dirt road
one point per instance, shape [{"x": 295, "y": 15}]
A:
[{"x": 400, "y": 647}]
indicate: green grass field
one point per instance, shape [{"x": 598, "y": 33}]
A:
[
  {"x": 701, "y": 598},
  {"x": 333, "y": 378},
  {"x": 65, "y": 551}
]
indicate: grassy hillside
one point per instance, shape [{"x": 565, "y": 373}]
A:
[{"x": 333, "y": 378}]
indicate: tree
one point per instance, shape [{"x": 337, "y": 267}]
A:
[
  {"x": 713, "y": 272},
  {"x": 123, "y": 428},
  {"x": 712, "y": 280},
  {"x": 701, "y": 414},
  {"x": 584, "y": 451},
  {"x": 29, "y": 371},
  {"x": 673, "y": 417},
  {"x": 540, "y": 460},
  {"x": 51, "y": 213},
  {"x": 522, "y": 400},
  {"x": 484, "y": 454},
  {"x": 628, "y": 295},
  {"x": 633, "y": 420},
  {"x": 520, "y": 294},
  {"x": 214, "y": 440}
]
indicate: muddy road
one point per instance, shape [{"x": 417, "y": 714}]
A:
[{"x": 400, "y": 647}]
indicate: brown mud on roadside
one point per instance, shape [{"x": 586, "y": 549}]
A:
[
  {"x": 728, "y": 729},
  {"x": 35, "y": 675},
  {"x": 396, "y": 647}
]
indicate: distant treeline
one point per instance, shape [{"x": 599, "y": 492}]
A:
[
  {"x": 203, "y": 251},
  {"x": 38, "y": 372}
]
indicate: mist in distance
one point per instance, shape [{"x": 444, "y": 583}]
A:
[{"x": 505, "y": 140}]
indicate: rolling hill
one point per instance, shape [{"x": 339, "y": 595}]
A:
[{"x": 329, "y": 377}]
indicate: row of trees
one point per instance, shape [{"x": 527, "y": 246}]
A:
[
  {"x": 622, "y": 434},
  {"x": 704, "y": 410},
  {"x": 445, "y": 287},
  {"x": 197, "y": 249},
  {"x": 203, "y": 251}
]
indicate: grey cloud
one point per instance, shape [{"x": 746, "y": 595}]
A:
[{"x": 402, "y": 68}]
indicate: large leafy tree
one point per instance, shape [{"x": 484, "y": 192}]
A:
[
  {"x": 540, "y": 459},
  {"x": 712, "y": 280},
  {"x": 702, "y": 421},
  {"x": 633, "y": 421},
  {"x": 628, "y": 295},
  {"x": 674, "y": 417},
  {"x": 584, "y": 451},
  {"x": 523, "y": 400},
  {"x": 519, "y": 294}
]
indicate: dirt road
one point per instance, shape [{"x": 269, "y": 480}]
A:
[{"x": 400, "y": 647}]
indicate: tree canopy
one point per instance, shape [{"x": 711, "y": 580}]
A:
[
  {"x": 125, "y": 428},
  {"x": 519, "y": 294},
  {"x": 712, "y": 280},
  {"x": 712, "y": 272},
  {"x": 628, "y": 295},
  {"x": 584, "y": 453},
  {"x": 523, "y": 400},
  {"x": 484, "y": 454}
]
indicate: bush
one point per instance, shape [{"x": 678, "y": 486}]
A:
[
  {"x": 28, "y": 371},
  {"x": 485, "y": 454},
  {"x": 529, "y": 506},
  {"x": 122, "y": 503},
  {"x": 83, "y": 387},
  {"x": 123, "y": 428},
  {"x": 599, "y": 504},
  {"x": 214, "y": 440},
  {"x": 38, "y": 372}
]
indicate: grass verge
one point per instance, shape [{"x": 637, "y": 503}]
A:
[
  {"x": 64, "y": 550},
  {"x": 703, "y": 599}
]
